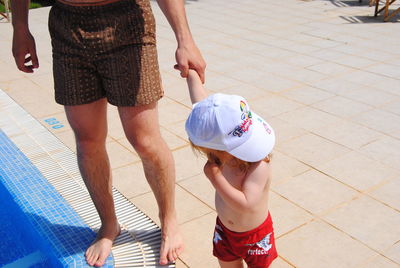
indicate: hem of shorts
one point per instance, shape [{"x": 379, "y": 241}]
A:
[
  {"x": 66, "y": 103},
  {"x": 227, "y": 260},
  {"x": 273, "y": 258},
  {"x": 137, "y": 103}
]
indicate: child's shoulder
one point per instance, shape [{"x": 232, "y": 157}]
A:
[{"x": 260, "y": 169}]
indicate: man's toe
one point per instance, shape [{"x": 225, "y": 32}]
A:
[
  {"x": 99, "y": 263},
  {"x": 171, "y": 256},
  {"x": 163, "y": 259},
  {"x": 89, "y": 257},
  {"x": 175, "y": 254},
  {"x": 101, "y": 260}
]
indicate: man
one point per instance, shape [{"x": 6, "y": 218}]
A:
[{"x": 105, "y": 50}]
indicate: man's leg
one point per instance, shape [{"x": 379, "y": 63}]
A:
[
  {"x": 89, "y": 123},
  {"x": 143, "y": 132}
]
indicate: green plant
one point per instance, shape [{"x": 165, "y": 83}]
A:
[{"x": 33, "y": 4}]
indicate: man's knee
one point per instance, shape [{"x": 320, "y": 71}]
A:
[
  {"x": 89, "y": 145},
  {"x": 146, "y": 146}
]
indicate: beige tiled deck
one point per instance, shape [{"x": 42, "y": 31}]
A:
[{"x": 326, "y": 74}]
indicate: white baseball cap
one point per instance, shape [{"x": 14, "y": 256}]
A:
[{"x": 226, "y": 123}]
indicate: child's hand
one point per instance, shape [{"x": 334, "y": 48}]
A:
[{"x": 211, "y": 170}]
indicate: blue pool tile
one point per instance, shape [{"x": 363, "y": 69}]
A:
[{"x": 57, "y": 230}]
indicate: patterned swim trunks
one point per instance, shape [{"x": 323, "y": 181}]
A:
[
  {"x": 105, "y": 51},
  {"x": 256, "y": 247}
]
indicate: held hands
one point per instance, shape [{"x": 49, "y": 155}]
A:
[
  {"x": 24, "y": 51},
  {"x": 188, "y": 56}
]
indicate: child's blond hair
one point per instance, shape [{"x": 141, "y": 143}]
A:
[{"x": 221, "y": 157}]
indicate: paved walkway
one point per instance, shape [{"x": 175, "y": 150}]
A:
[{"x": 325, "y": 74}]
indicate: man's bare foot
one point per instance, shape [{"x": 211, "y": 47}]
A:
[
  {"x": 171, "y": 243},
  {"x": 99, "y": 250}
]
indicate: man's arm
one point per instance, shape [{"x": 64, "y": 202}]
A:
[
  {"x": 23, "y": 41},
  {"x": 187, "y": 54}
]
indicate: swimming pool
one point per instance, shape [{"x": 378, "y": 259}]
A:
[
  {"x": 40, "y": 227},
  {"x": 17, "y": 235}
]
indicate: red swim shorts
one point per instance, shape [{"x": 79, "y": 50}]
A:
[{"x": 256, "y": 247}]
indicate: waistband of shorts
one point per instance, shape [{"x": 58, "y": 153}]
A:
[
  {"x": 267, "y": 225},
  {"x": 95, "y": 9}
]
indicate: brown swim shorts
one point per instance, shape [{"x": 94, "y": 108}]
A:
[{"x": 105, "y": 51}]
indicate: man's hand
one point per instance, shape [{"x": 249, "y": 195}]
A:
[
  {"x": 188, "y": 56},
  {"x": 24, "y": 51},
  {"x": 211, "y": 170}
]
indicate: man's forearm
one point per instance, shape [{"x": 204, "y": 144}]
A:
[
  {"x": 174, "y": 11},
  {"x": 19, "y": 10},
  {"x": 187, "y": 54}
]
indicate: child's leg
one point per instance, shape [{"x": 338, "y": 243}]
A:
[{"x": 231, "y": 264}]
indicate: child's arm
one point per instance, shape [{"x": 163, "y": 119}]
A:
[
  {"x": 196, "y": 89},
  {"x": 252, "y": 189}
]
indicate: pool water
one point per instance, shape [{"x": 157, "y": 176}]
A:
[
  {"x": 21, "y": 245},
  {"x": 38, "y": 226}
]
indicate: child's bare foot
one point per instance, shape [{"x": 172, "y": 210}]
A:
[
  {"x": 98, "y": 252},
  {"x": 171, "y": 243}
]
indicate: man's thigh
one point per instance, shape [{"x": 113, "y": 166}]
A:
[
  {"x": 88, "y": 121},
  {"x": 140, "y": 121}
]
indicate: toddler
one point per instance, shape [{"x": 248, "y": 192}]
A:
[{"x": 238, "y": 145}]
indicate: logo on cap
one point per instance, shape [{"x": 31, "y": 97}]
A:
[
  {"x": 246, "y": 121},
  {"x": 267, "y": 128}
]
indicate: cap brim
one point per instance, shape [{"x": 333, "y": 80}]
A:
[{"x": 259, "y": 145}]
